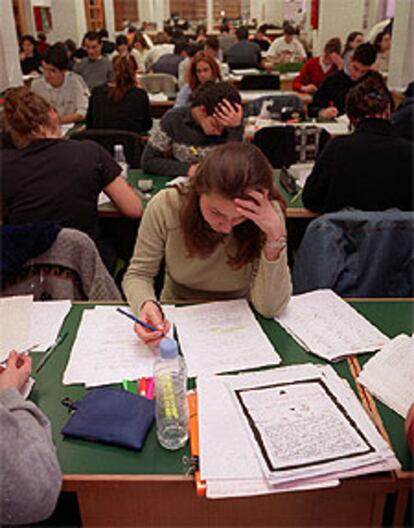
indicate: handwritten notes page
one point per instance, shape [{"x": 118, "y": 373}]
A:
[
  {"x": 222, "y": 337},
  {"x": 107, "y": 350},
  {"x": 389, "y": 375},
  {"x": 327, "y": 326},
  {"x": 15, "y": 324},
  {"x": 305, "y": 423},
  {"x": 228, "y": 462}
]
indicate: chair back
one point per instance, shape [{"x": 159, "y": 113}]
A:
[
  {"x": 286, "y": 145},
  {"x": 70, "y": 269},
  {"x": 159, "y": 82},
  {"x": 132, "y": 142},
  {"x": 260, "y": 82},
  {"x": 358, "y": 254}
]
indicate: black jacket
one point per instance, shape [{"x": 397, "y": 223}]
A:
[
  {"x": 332, "y": 92},
  {"x": 370, "y": 169}
]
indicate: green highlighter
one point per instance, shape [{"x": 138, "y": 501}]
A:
[{"x": 130, "y": 386}]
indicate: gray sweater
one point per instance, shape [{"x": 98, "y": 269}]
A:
[
  {"x": 180, "y": 142},
  {"x": 30, "y": 478}
]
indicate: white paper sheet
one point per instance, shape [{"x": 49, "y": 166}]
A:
[
  {"x": 47, "y": 319},
  {"x": 103, "y": 198},
  {"x": 15, "y": 324},
  {"x": 389, "y": 375},
  {"x": 301, "y": 171},
  {"x": 107, "y": 350},
  {"x": 304, "y": 422},
  {"x": 328, "y": 326},
  {"x": 222, "y": 337}
]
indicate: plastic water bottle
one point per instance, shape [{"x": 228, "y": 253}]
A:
[
  {"x": 170, "y": 379},
  {"x": 119, "y": 156}
]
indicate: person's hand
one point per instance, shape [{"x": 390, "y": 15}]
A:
[
  {"x": 337, "y": 60},
  {"x": 260, "y": 210},
  {"x": 16, "y": 372},
  {"x": 227, "y": 115},
  {"x": 309, "y": 88},
  {"x": 192, "y": 170},
  {"x": 152, "y": 314},
  {"x": 328, "y": 113}
]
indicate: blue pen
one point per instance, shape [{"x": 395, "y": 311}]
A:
[{"x": 142, "y": 323}]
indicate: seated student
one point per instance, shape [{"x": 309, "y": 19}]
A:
[
  {"x": 64, "y": 90},
  {"x": 226, "y": 38},
  {"x": 120, "y": 104},
  {"x": 212, "y": 49},
  {"x": 243, "y": 54},
  {"x": 287, "y": 48},
  {"x": 95, "y": 68},
  {"x": 30, "y": 478},
  {"x": 140, "y": 49},
  {"x": 162, "y": 46},
  {"x": 382, "y": 44},
  {"x": 261, "y": 39},
  {"x": 317, "y": 69},
  {"x": 370, "y": 169},
  {"x": 188, "y": 133},
  {"x": 121, "y": 47},
  {"x": 329, "y": 100},
  {"x": 48, "y": 178},
  {"x": 222, "y": 236},
  {"x": 108, "y": 46},
  {"x": 169, "y": 62},
  {"x": 403, "y": 117},
  {"x": 353, "y": 40},
  {"x": 202, "y": 69},
  {"x": 29, "y": 56}
]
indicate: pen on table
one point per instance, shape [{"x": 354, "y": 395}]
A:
[
  {"x": 142, "y": 386},
  {"x": 293, "y": 200},
  {"x": 139, "y": 321},
  {"x": 50, "y": 351}
]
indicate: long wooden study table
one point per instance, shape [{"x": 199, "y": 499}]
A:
[{"x": 119, "y": 487}]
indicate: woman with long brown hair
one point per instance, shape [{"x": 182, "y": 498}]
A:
[
  {"x": 222, "y": 236},
  {"x": 120, "y": 104},
  {"x": 202, "y": 68}
]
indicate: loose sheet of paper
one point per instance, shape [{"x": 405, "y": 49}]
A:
[
  {"x": 222, "y": 337},
  {"x": 107, "y": 350},
  {"x": 47, "y": 319},
  {"x": 328, "y": 326},
  {"x": 389, "y": 375},
  {"x": 15, "y": 324},
  {"x": 304, "y": 422}
]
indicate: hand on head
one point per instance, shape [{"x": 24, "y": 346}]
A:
[
  {"x": 228, "y": 115},
  {"x": 16, "y": 372},
  {"x": 152, "y": 314},
  {"x": 259, "y": 209}
]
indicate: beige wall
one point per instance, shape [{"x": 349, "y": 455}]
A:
[{"x": 10, "y": 73}]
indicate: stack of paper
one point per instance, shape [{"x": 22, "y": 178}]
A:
[
  {"x": 222, "y": 337},
  {"x": 327, "y": 326},
  {"x": 292, "y": 428},
  {"x": 389, "y": 375},
  {"x": 25, "y": 323},
  {"x": 107, "y": 350}
]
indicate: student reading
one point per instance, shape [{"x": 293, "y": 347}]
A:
[{"x": 222, "y": 235}]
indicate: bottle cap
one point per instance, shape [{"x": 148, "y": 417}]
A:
[{"x": 168, "y": 348}]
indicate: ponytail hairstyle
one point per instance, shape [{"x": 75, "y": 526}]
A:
[
  {"x": 25, "y": 113},
  {"x": 368, "y": 98},
  {"x": 124, "y": 76},
  {"x": 229, "y": 171}
]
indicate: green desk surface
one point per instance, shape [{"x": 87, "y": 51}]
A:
[
  {"x": 294, "y": 204},
  {"x": 83, "y": 457}
]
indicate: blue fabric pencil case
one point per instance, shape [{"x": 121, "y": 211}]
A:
[{"x": 111, "y": 416}]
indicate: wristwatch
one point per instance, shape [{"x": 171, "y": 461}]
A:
[{"x": 280, "y": 243}]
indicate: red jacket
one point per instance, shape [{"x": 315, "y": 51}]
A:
[{"x": 312, "y": 73}]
